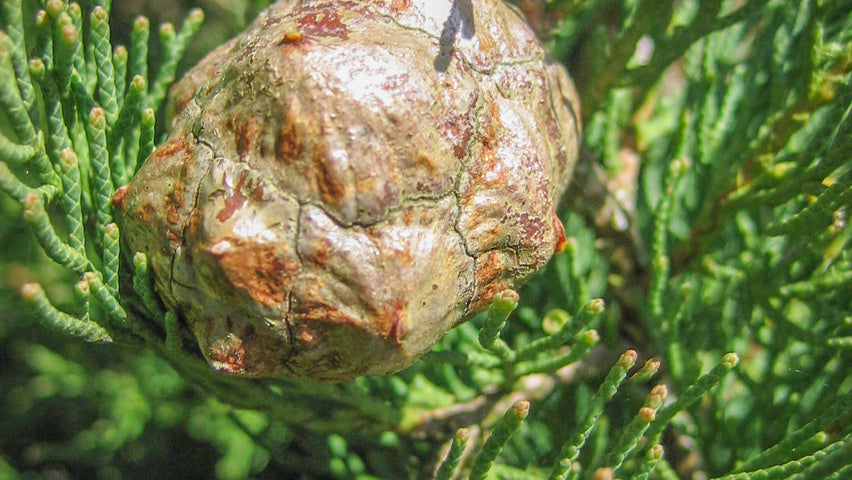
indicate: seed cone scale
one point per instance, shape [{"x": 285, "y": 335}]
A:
[{"x": 346, "y": 181}]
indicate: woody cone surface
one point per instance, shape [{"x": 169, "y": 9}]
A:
[{"x": 346, "y": 181}]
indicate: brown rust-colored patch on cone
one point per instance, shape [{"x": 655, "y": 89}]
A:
[{"x": 345, "y": 181}]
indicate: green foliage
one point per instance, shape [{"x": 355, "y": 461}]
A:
[{"x": 709, "y": 217}]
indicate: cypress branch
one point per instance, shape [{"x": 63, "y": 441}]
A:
[
  {"x": 448, "y": 467},
  {"x": 127, "y": 119},
  {"x": 119, "y": 68},
  {"x": 16, "y": 111},
  {"x": 13, "y": 153},
  {"x": 14, "y": 29},
  {"x": 71, "y": 199},
  {"x": 44, "y": 38},
  {"x": 629, "y": 439},
  {"x": 107, "y": 96},
  {"x": 501, "y": 434},
  {"x": 692, "y": 394},
  {"x": 570, "y": 329},
  {"x": 818, "y": 465},
  {"x": 173, "y": 45},
  {"x": 110, "y": 257},
  {"x": 60, "y": 321},
  {"x": 781, "y": 451},
  {"x": 106, "y": 298},
  {"x": 583, "y": 342},
  {"x": 103, "y": 187},
  {"x": 139, "y": 48},
  {"x": 146, "y": 140},
  {"x": 84, "y": 66},
  {"x": 47, "y": 237},
  {"x": 570, "y": 451},
  {"x": 502, "y": 305},
  {"x": 143, "y": 285},
  {"x": 649, "y": 463},
  {"x": 66, "y": 44}
]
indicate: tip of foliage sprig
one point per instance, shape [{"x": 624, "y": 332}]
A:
[
  {"x": 97, "y": 118},
  {"x": 37, "y": 68},
  {"x": 34, "y": 296},
  {"x": 141, "y": 23},
  {"x": 33, "y": 206},
  {"x": 41, "y": 20},
  {"x": 502, "y": 305},
  {"x": 119, "y": 53},
  {"x": 731, "y": 360},
  {"x": 501, "y": 434},
  {"x": 595, "y": 306},
  {"x": 554, "y": 320},
  {"x": 196, "y": 16},
  {"x": 67, "y": 159},
  {"x": 447, "y": 468},
  {"x": 648, "y": 414},
  {"x": 54, "y": 7},
  {"x": 521, "y": 409},
  {"x": 603, "y": 473},
  {"x": 648, "y": 370},
  {"x": 628, "y": 359},
  {"x": 111, "y": 230},
  {"x": 148, "y": 116},
  {"x": 68, "y": 33},
  {"x": 167, "y": 30},
  {"x": 591, "y": 337},
  {"x": 140, "y": 260},
  {"x": 506, "y": 300},
  {"x": 138, "y": 83},
  {"x": 30, "y": 292},
  {"x": 659, "y": 391},
  {"x": 81, "y": 289},
  {"x": 653, "y": 403},
  {"x": 99, "y": 14}
]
